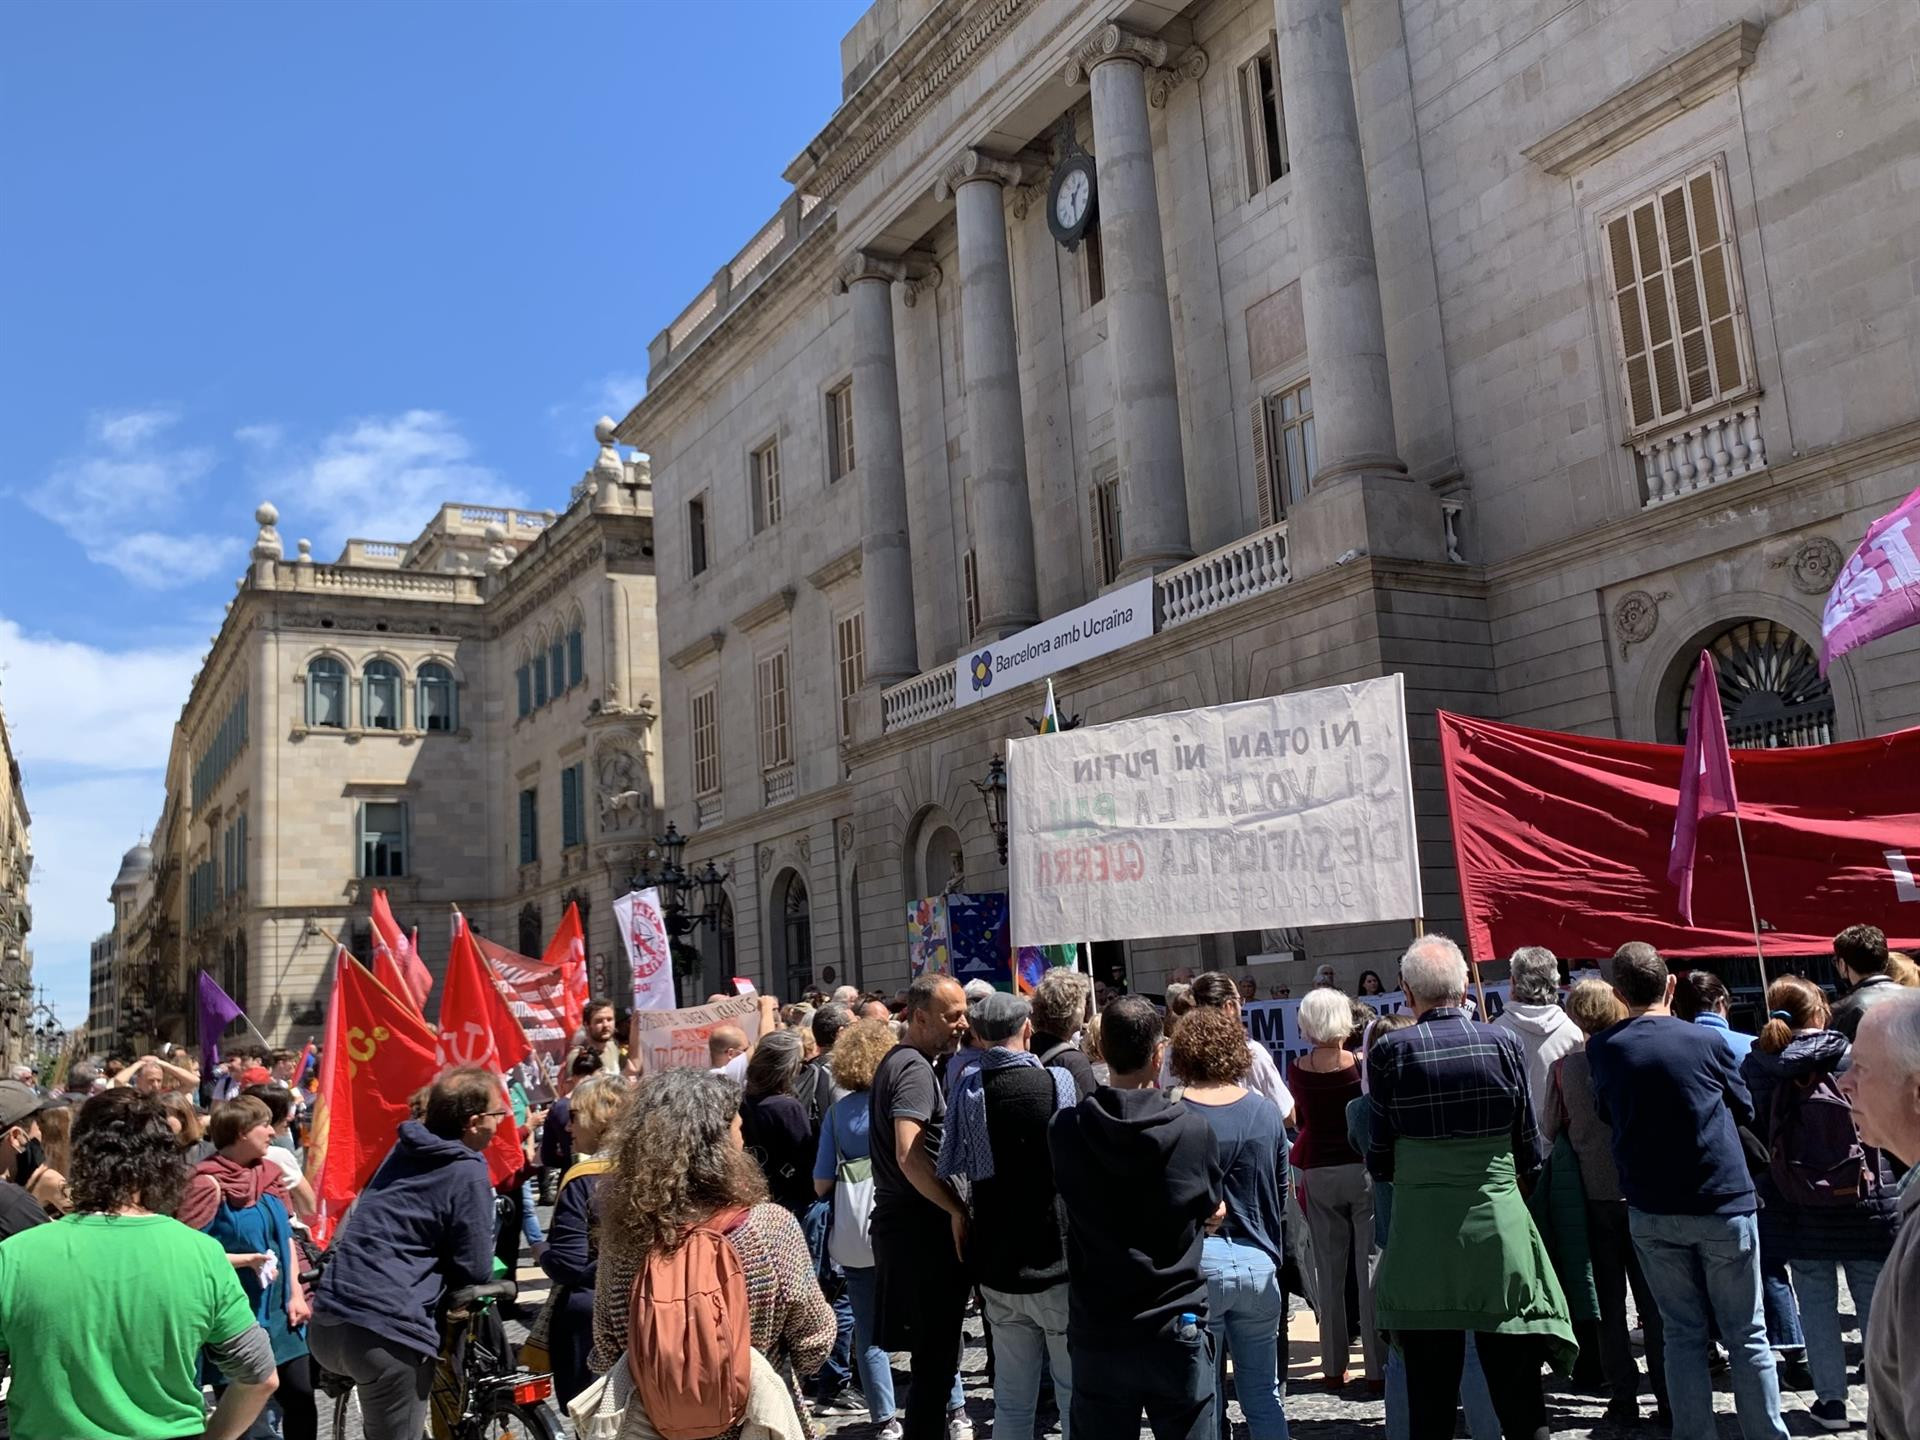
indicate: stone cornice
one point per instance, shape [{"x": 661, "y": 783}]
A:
[
  {"x": 766, "y": 612},
  {"x": 972, "y": 164},
  {"x": 793, "y": 276},
  {"x": 1686, "y": 80},
  {"x": 843, "y": 566},
  {"x": 939, "y": 53},
  {"x": 708, "y": 644}
]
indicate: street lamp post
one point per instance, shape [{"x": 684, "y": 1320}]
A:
[{"x": 680, "y": 892}]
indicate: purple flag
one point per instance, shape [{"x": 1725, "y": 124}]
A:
[
  {"x": 1878, "y": 590},
  {"x": 1706, "y": 780},
  {"x": 217, "y": 1011}
]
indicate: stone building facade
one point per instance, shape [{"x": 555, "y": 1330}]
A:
[
  {"x": 16, "y": 915},
  {"x": 466, "y": 719},
  {"x": 1518, "y": 348}
]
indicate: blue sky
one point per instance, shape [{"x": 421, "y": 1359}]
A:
[{"x": 353, "y": 258}]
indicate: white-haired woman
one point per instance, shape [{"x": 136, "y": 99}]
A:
[{"x": 1335, "y": 1191}]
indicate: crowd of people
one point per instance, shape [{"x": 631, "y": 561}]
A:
[{"x": 1128, "y": 1195}]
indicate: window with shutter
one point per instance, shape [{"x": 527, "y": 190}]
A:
[
  {"x": 697, "y": 535},
  {"x": 775, "y": 732},
  {"x": 840, "y": 455},
  {"x": 764, "y": 466},
  {"x": 573, "y": 828},
  {"x": 1285, "y": 451},
  {"x": 1678, "y": 324},
  {"x": 970, "y": 583},
  {"x": 1104, "y": 500},
  {"x": 850, "y": 645},
  {"x": 529, "y": 826},
  {"x": 1094, "y": 261},
  {"x": 706, "y": 745},
  {"x": 1263, "y": 123}
]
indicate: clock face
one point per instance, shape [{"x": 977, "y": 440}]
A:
[{"x": 1070, "y": 205}]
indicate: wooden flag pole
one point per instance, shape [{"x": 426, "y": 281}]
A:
[{"x": 1753, "y": 911}]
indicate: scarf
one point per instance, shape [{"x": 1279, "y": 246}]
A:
[
  {"x": 217, "y": 1178},
  {"x": 964, "y": 1145}
]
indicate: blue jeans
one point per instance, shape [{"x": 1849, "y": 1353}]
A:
[
  {"x": 876, "y": 1368},
  {"x": 1482, "y": 1422},
  {"x": 1244, "y": 1312},
  {"x": 1817, "y": 1284},
  {"x": 1777, "y": 1303},
  {"x": 837, "y": 1372},
  {"x": 1709, "y": 1265},
  {"x": 529, "y": 1221},
  {"x": 1028, "y": 1331}
]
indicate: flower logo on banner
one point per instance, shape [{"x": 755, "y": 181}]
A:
[
  {"x": 650, "y": 949},
  {"x": 983, "y": 670}
]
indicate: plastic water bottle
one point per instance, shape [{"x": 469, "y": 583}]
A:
[{"x": 1188, "y": 1327}]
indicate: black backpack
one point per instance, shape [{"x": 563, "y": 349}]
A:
[{"x": 1817, "y": 1159}]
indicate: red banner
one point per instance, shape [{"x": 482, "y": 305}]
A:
[
  {"x": 478, "y": 1028},
  {"x": 378, "y": 1052},
  {"x": 1563, "y": 841},
  {"x": 541, "y": 1000}
]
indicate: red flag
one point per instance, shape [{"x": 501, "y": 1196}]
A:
[
  {"x": 477, "y": 1028},
  {"x": 377, "y": 1054},
  {"x": 1706, "y": 780},
  {"x": 567, "y": 952},
  {"x": 402, "y": 956},
  {"x": 1563, "y": 841}
]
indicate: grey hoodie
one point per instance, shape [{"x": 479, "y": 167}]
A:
[{"x": 1545, "y": 1034}]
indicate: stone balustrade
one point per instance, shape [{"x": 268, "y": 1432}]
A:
[
  {"x": 708, "y": 810},
  {"x": 415, "y": 585},
  {"x": 780, "y": 785},
  {"x": 1705, "y": 451},
  {"x": 928, "y": 694},
  {"x": 1249, "y": 566}
]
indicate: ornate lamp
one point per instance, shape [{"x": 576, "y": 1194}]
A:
[{"x": 993, "y": 794}]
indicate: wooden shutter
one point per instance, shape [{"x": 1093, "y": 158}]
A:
[
  {"x": 1100, "y": 576},
  {"x": 1262, "y": 463},
  {"x": 970, "y": 583}
]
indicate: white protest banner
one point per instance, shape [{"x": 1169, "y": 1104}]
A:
[
  {"x": 1111, "y": 622},
  {"x": 649, "y": 950},
  {"x": 1290, "y": 811},
  {"x": 677, "y": 1039},
  {"x": 1276, "y": 1023}
]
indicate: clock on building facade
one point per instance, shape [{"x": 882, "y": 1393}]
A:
[{"x": 1073, "y": 198}]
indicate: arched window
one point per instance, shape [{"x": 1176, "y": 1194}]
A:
[
  {"x": 523, "y": 680},
  {"x": 1771, "y": 688},
  {"x": 327, "y": 693},
  {"x": 557, "y": 663},
  {"x": 540, "y": 691},
  {"x": 576, "y": 654},
  {"x": 437, "y": 706},
  {"x": 380, "y": 692},
  {"x": 530, "y": 931}
]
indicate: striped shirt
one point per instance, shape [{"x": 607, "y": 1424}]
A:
[{"x": 1449, "y": 1078}]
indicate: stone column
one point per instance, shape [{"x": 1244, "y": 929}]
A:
[
  {"x": 886, "y": 566},
  {"x": 996, "y": 430},
  {"x": 1153, "y": 486},
  {"x": 1339, "y": 280}
]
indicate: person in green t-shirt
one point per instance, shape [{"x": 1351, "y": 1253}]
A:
[{"x": 105, "y": 1312}]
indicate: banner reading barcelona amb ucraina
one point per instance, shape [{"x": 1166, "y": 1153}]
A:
[{"x": 1294, "y": 810}]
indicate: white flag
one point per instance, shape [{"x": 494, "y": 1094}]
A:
[{"x": 649, "y": 953}]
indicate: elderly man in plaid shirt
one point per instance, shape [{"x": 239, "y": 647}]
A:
[{"x": 1453, "y": 1129}]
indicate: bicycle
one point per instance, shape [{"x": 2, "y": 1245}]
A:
[{"x": 480, "y": 1391}]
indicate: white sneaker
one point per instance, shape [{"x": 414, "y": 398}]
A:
[
  {"x": 892, "y": 1430},
  {"x": 959, "y": 1427}
]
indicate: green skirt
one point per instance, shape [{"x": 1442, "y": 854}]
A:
[{"x": 1463, "y": 1253}]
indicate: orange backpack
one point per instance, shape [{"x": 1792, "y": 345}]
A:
[{"x": 690, "y": 1336}]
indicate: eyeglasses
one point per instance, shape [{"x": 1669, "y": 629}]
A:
[{"x": 496, "y": 1113}]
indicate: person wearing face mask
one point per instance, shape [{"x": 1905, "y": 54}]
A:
[
  {"x": 20, "y": 1110},
  {"x": 241, "y": 1199}
]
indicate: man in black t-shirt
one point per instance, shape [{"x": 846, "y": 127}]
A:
[
  {"x": 20, "y": 1107},
  {"x": 919, "y": 1225}
]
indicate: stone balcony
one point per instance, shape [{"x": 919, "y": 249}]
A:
[
  {"x": 1701, "y": 451},
  {"x": 1249, "y": 566},
  {"x": 779, "y": 783}
]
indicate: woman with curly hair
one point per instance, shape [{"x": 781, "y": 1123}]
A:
[
  {"x": 572, "y": 1256},
  {"x": 678, "y": 1163},
  {"x": 105, "y": 1313},
  {"x": 1241, "y": 1262},
  {"x": 843, "y": 1173}
]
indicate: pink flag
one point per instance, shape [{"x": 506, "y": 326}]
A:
[
  {"x": 1878, "y": 591},
  {"x": 1706, "y": 780}
]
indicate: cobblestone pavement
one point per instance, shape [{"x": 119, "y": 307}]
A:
[{"x": 1313, "y": 1412}]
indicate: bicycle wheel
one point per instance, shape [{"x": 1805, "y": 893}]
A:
[
  {"x": 525, "y": 1422},
  {"x": 346, "y": 1416}
]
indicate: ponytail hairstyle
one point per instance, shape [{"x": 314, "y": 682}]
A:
[{"x": 1793, "y": 1004}]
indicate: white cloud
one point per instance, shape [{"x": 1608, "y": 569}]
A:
[
  {"x": 618, "y": 393},
  {"x": 382, "y": 478},
  {"x": 91, "y": 728},
  {"x": 571, "y": 420},
  {"x": 81, "y": 828},
  {"x": 113, "y": 499},
  {"x": 260, "y": 437},
  {"x": 77, "y": 705}
]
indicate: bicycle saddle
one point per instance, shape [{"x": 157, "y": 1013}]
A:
[{"x": 468, "y": 1295}]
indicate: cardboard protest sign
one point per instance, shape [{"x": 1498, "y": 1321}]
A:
[
  {"x": 677, "y": 1039},
  {"x": 1289, "y": 811}
]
